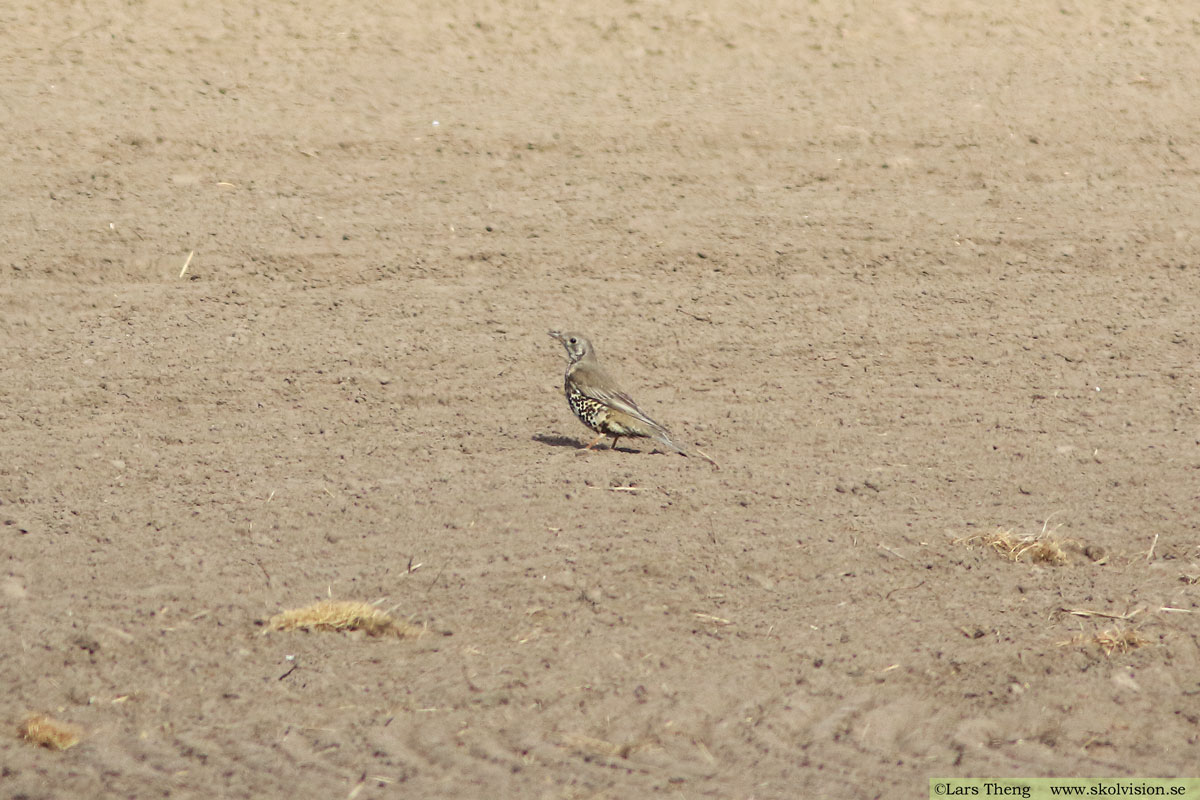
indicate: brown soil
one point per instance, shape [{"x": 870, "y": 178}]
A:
[{"x": 914, "y": 274}]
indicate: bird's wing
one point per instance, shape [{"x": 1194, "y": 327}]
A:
[
  {"x": 593, "y": 386},
  {"x": 595, "y": 382},
  {"x": 620, "y": 401},
  {"x": 614, "y": 398}
]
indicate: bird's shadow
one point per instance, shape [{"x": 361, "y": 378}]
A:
[
  {"x": 557, "y": 441},
  {"x": 577, "y": 444}
]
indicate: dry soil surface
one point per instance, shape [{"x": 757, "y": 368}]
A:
[{"x": 913, "y": 273}]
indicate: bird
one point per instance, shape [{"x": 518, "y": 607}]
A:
[{"x": 595, "y": 399}]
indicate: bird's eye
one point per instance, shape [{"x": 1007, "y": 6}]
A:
[{"x": 574, "y": 340}]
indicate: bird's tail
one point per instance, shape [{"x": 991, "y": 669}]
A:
[{"x": 663, "y": 437}]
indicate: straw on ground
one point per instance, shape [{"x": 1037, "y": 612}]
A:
[
  {"x": 45, "y": 731},
  {"x": 1119, "y": 639},
  {"x": 1041, "y": 548},
  {"x": 343, "y": 615}
]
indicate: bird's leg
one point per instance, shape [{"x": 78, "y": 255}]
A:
[
  {"x": 595, "y": 441},
  {"x": 614, "y": 444}
]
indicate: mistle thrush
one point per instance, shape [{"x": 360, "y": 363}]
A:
[{"x": 595, "y": 398}]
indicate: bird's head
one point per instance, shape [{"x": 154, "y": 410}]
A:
[{"x": 577, "y": 344}]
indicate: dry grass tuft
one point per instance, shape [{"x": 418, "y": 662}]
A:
[
  {"x": 1043, "y": 548},
  {"x": 48, "y": 732},
  {"x": 600, "y": 748},
  {"x": 343, "y": 615},
  {"x": 1119, "y": 639}
]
